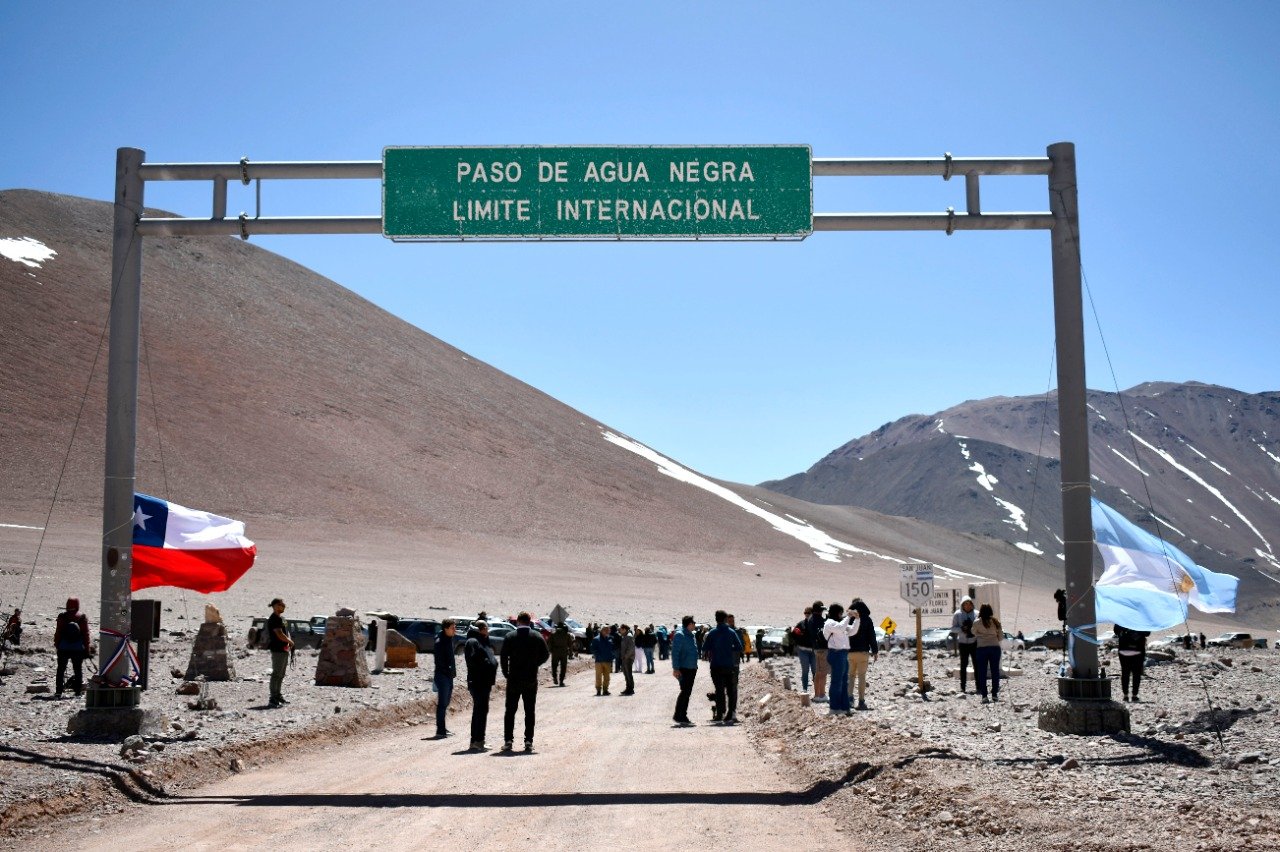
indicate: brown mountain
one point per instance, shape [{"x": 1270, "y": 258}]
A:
[
  {"x": 356, "y": 445},
  {"x": 1203, "y": 460}
]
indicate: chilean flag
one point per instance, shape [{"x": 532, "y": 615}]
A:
[{"x": 186, "y": 548}]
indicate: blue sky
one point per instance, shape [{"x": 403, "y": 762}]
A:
[{"x": 745, "y": 361}]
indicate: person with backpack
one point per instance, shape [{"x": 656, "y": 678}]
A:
[
  {"x": 813, "y": 634},
  {"x": 482, "y": 673},
  {"x": 1132, "y": 650},
  {"x": 71, "y": 641},
  {"x": 803, "y": 648}
]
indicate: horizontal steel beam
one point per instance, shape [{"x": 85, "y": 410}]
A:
[
  {"x": 352, "y": 169},
  {"x": 932, "y": 222},
  {"x": 266, "y": 225},
  {"x": 930, "y": 166}
]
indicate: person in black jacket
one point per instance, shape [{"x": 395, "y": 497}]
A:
[
  {"x": 1132, "y": 647},
  {"x": 818, "y": 642},
  {"x": 482, "y": 672},
  {"x": 445, "y": 671},
  {"x": 862, "y": 647},
  {"x": 522, "y": 654}
]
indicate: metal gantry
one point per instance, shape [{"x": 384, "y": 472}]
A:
[{"x": 1061, "y": 220}]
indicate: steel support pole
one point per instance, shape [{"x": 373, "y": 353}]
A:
[
  {"x": 1073, "y": 425},
  {"x": 122, "y": 408}
]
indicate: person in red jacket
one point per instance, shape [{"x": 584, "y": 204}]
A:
[{"x": 71, "y": 640}]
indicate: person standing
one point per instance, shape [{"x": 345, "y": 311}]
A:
[
  {"x": 446, "y": 669},
  {"x": 71, "y": 641},
  {"x": 523, "y": 653},
  {"x": 962, "y": 633},
  {"x": 482, "y": 673},
  {"x": 561, "y": 642},
  {"x": 862, "y": 647},
  {"x": 279, "y": 644},
  {"x": 760, "y": 645},
  {"x": 836, "y": 632},
  {"x": 602, "y": 654},
  {"x": 684, "y": 667},
  {"x": 723, "y": 649},
  {"x": 1132, "y": 647},
  {"x": 804, "y": 648},
  {"x": 13, "y": 629},
  {"x": 987, "y": 632},
  {"x": 817, "y": 620},
  {"x": 664, "y": 642},
  {"x": 627, "y": 658},
  {"x": 646, "y": 642}
]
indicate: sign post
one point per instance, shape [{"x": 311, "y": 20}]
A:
[{"x": 916, "y": 588}]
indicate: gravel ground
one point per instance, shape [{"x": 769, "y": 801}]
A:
[
  {"x": 45, "y": 774},
  {"x": 945, "y": 772},
  {"x": 950, "y": 771}
]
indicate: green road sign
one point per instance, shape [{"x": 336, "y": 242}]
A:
[{"x": 723, "y": 192}]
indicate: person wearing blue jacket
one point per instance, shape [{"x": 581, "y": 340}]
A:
[
  {"x": 723, "y": 649},
  {"x": 445, "y": 671},
  {"x": 602, "y": 653},
  {"x": 684, "y": 667}
]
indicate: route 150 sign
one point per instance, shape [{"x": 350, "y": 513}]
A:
[{"x": 916, "y": 584}]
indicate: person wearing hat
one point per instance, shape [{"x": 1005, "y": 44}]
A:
[
  {"x": 71, "y": 640},
  {"x": 279, "y": 644}
]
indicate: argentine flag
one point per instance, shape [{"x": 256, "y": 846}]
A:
[{"x": 1147, "y": 583}]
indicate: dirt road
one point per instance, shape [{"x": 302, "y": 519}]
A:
[{"x": 608, "y": 771}]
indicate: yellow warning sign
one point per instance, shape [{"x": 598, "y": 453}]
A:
[{"x": 889, "y": 625}]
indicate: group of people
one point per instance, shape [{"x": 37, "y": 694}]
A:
[
  {"x": 839, "y": 644},
  {"x": 522, "y": 654},
  {"x": 977, "y": 638}
]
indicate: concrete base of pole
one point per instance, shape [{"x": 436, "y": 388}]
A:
[{"x": 117, "y": 723}]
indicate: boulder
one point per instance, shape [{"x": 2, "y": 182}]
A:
[
  {"x": 342, "y": 660},
  {"x": 401, "y": 652},
  {"x": 209, "y": 654}
]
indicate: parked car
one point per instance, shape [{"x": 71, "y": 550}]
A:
[
  {"x": 420, "y": 631},
  {"x": 771, "y": 644},
  {"x": 936, "y": 638},
  {"x": 299, "y": 630},
  {"x": 1232, "y": 640},
  {"x": 1054, "y": 640}
]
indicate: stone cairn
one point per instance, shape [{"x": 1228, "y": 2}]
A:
[
  {"x": 401, "y": 653},
  {"x": 342, "y": 661},
  {"x": 209, "y": 654}
]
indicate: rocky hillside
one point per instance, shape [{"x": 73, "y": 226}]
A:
[{"x": 1207, "y": 456}]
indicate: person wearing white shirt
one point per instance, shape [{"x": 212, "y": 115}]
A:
[{"x": 836, "y": 632}]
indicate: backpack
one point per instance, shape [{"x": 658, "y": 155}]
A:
[{"x": 72, "y": 636}]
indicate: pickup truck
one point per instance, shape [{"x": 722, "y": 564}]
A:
[{"x": 302, "y": 632}]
